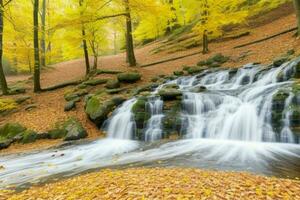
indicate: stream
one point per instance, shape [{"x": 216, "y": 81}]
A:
[{"x": 227, "y": 127}]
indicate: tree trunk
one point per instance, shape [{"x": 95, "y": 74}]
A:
[
  {"x": 85, "y": 48},
  {"x": 36, "y": 73},
  {"x": 297, "y": 8},
  {"x": 205, "y": 43},
  {"x": 129, "y": 39},
  {"x": 2, "y": 76},
  {"x": 43, "y": 39}
]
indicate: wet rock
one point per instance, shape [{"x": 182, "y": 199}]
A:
[
  {"x": 233, "y": 72},
  {"x": 246, "y": 80},
  {"x": 195, "y": 70},
  {"x": 70, "y": 105},
  {"x": 74, "y": 130},
  {"x": 172, "y": 120},
  {"x": 145, "y": 88},
  {"x": 279, "y": 61},
  {"x": 113, "y": 84},
  {"x": 178, "y": 73},
  {"x": 141, "y": 116},
  {"x": 198, "y": 89},
  {"x": 98, "y": 111},
  {"x": 130, "y": 77},
  {"x": 170, "y": 94}
]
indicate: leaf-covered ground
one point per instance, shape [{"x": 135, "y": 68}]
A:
[{"x": 163, "y": 183}]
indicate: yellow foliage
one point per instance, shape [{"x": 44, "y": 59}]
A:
[{"x": 7, "y": 104}]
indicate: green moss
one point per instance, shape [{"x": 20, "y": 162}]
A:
[
  {"x": 195, "y": 70},
  {"x": 94, "y": 82},
  {"x": 7, "y": 104},
  {"x": 178, "y": 73},
  {"x": 140, "y": 105},
  {"x": 57, "y": 133},
  {"x": 131, "y": 77},
  {"x": 10, "y": 130},
  {"x": 29, "y": 137}
]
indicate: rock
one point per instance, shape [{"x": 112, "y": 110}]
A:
[
  {"x": 70, "y": 97},
  {"x": 215, "y": 65},
  {"x": 42, "y": 136},
  {"x": 278, "y": 62},
  {"x": 10, "y": 130},
  {"x": 195, "y": 70},
  {"x": 290, "y": 52},
  {"x": 172, "y": 119},
  {"x": 82, "y": 86},
  {"x": 130, "y": 77},
  {"x": 57, "y": 133},
  {"x": 17, "y": 90},
  {"x": 5, "y": 143},
  {"x": 22, "y": 99},
  {"x": 145, "y": 88},
  {"x": 171, "y": 86},
  {"x": 29, "y": 137},
  {"x": 74, "y": 130},
  {"x": 30, "y": 107},
  {"x": 178, "y": 73},
  {"x": 70, "y": 105},
  {"x": 115, "y": 91},
  {"x": 103, "y": 71},
  {"x": 201, "y": 63},
  {"x": 245, "y": 80},
  {"x": 154, "y": 79},
  {"x": 94, "y": 82},
  {"x": 232, "y": 72},
  {"x": 98, "y": 111},
  {"x": 218, "y": 58},
  {"x": 170, "y": 94},
  {"x": 113, "y": 84},
  {"x": 198, "y": 89}
]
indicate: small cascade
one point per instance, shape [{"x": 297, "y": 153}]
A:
[
  {"x": 286, "y": 135},
  {"x": 122, "y": 125},
  {"x": 154, "y": 126}
]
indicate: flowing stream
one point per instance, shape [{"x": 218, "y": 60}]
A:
[{"x": 227, "y": 127}]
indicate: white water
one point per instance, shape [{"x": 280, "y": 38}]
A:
[
  {"x": 227, "y": 127},
  {"x": 154, "y": 130}
]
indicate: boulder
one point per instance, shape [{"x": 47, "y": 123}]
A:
[
  {"x": 178, "y": 73},
  {"x": 113, "y": 84},
  {"x": 130, "y": 77},
  {"x": 98, "y": 111},
  {"x": 30, "y": 107},
  {"x": 195, "y": 70},
  {"x": 115, "y": 91},
  {"x": 74, "y": 130},
  {"x": 70, "y": 105},
  {"x": 170, "y": 94},
  {"x": 29, "y": 137},
  {"x": 198, "y": 89},
  {"x": 279, "y": 61},
  {"x": 5, "y": 143},
  {"x": 10, "y": 130},
  {"x": 57, "y": 133}
]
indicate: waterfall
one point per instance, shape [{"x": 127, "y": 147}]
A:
[
  {"x": 122, "y": 125},
  {"x": 286, "y": 135},
  {"x": 154, "y": 130}
]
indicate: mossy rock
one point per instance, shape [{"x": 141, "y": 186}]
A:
[
  {"x": 155, "y": 79},
  {"x": 74, "y": 130},
  {"x": 178, "y": 73},
  {"x": 130, "y": 77},
  {"x": 7, "y": 105},
  {"x": 195, "y": 70},
  {"x": 218, "y": 58},
  {"x": 198, "y": 89},
  {"x": 95, "y": 82},
  {"x": 73, "y": 95},
  {"x": 57, "y": 133},
  {"x": 140, "y": 105},
  {"x": 98, "y": 111},
  {"x": 29, "y": 137},
  {"x": 13, "y": 90},
  {"x": 70, "y": 105},
  {"x": 201, "y": 63},
  {"x": 113, "y": 84},
  {"x": 215, "y": 65},
  {"x": 279, "y": 61},
  {"x": 170, "y": 94},
  {"x": 115, "y": 91},
  {"x": 145, "y": 88},
  {"x": 5, "y": 143},
  {"x": 10, "y": 130},
  {"x": 104, "y": 71}
]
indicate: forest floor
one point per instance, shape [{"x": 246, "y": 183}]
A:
[
  {"x": 164, "y": 183},
  {"x": 50, "y": 105}
]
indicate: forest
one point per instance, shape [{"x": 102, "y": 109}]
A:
[{"x": 152, "y": 99}]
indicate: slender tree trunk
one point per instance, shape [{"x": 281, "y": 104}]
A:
[
  {"x": 297, "y": 8},
  {"x": 205, "y": 43},
  {"x": 36, "y": 72},
  {"x": 85, "y": 48},
  {"x": 129, "y": 39},
  {"x": 43, "y": 39},
  {"x": 2, "y": 76}
]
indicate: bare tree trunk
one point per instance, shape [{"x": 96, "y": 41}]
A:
[
  {"x": 85, "y": 48},
  {"x": 297, "y": 8},
  {"x": 43, "y": 39},
  {"x": 36, "y": 73},
  {"x": 205, "y": 43},
  {"x": 129, "y": 39},
  {"x": 2, "y": 76}
]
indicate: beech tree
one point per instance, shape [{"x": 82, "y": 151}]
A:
[
  {"x": 297, "y": 7},
  {"x": 2, "y": 76},
  {"x": 36, "y": 72},
  {"x": 129, "y": 39}
]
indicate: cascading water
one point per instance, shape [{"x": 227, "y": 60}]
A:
[
  {"x": 154, "y": 130},
  {"x": 231, "y": 122},
  {"x": 122, "y": 125}
]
